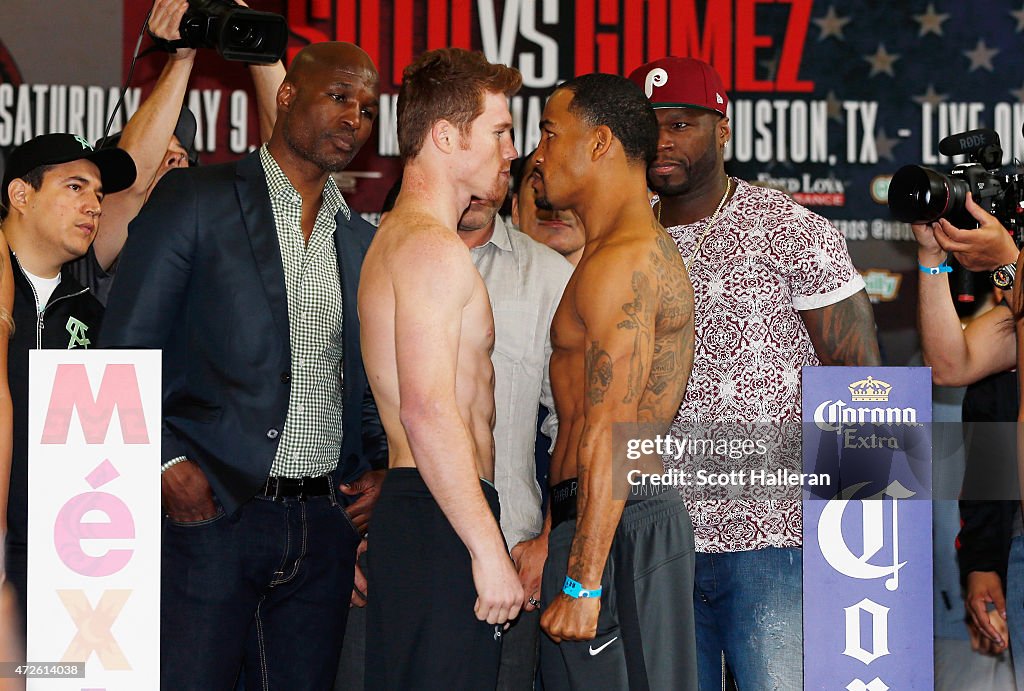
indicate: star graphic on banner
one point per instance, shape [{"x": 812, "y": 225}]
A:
[
  {"x": 981, "y": 56},
  {"x": 832, "y": 24},
  {"x": 1018, "y": 94},
  {"x": 884, "y": 145},
  {"x": 834, "y": 106},
  {"x": 1019, "y": 16},
  {"x": 930, "y": 21},
  {"x": 930, "y": 96},
  {"x": 882, "y": 61}
]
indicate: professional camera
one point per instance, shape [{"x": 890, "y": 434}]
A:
[
  {"x": 921, "y": 195},
  {"x": 237, "y": 32}
]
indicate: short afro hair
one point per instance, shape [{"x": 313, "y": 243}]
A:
[{"x": 620, "y": 105}]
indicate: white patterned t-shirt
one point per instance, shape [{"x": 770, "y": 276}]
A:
[{"x": 765, "y": 259}]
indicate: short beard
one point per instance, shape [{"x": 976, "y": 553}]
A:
[
  {"x": 669, "y": 190},
  {"x": 697, "y": 173}
]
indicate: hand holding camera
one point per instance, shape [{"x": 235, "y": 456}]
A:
[
  {"x": 163, "y": 25},
  {"x": 984, "y": 248},
  {"x": 940, "y": 207},
  {"x": 235, "y": 31}
]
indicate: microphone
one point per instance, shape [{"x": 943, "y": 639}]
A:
[{"x": 968, "y": 142}]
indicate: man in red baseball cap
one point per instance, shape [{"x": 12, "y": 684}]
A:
[{"x": 774, "y": 290}]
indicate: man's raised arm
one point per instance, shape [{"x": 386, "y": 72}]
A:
[{"x": 146, "y": 135}]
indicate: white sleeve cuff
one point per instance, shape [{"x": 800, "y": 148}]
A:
[{"x": 810, "y": 302}]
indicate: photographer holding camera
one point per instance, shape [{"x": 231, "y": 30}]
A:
[
  {"x": 982, "y": 357},
  {"x": 160, "y": 137},
  {"x": 959, "y": 357}
]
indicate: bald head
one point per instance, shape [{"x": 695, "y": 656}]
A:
[
  {"x": 326, "y": 106},
  {"x": 331, "y": 56}
]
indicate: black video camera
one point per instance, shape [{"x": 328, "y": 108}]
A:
[
  {"x": 922, "y": 195},
  {"x": 236, "y": 32}
]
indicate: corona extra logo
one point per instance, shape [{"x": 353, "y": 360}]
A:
[
  {"x": 832, "y": 416},
  {"x": 870, "y": 389}
]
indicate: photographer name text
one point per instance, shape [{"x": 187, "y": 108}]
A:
[{"x": 780, "y": 477}]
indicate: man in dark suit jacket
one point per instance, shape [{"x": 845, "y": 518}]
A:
[{"x": 245, "y": 275}]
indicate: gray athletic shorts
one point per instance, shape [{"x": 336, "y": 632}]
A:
[{"x": 645, "y": 632}]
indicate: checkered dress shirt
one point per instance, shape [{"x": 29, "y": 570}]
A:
[{"x": 311, "y": 441}]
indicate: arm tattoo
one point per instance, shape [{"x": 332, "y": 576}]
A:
[
  {"x": 638, "y": 314},
  {"x": 599, "y": 373},
  {"x": 663, "y": 367},
  {"x": 844, "y": 333},
  {"x": 581, "y": 539}
]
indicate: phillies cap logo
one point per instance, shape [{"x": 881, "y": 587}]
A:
[{"x": 656, "y": 77}]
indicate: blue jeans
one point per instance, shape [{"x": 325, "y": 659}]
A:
[
  {"x": 749, "y": 605},
  {"x": 267, "y": 587}
]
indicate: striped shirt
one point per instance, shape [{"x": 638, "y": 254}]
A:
[{"x": 310, "y": 444}]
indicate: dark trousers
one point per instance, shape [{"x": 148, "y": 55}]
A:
[
  {"x": 520, "y": 653},
  {"x": 266, "y": 588},
  {"x": 421, "y": 632},
  {"x": 645, "y": 631}
]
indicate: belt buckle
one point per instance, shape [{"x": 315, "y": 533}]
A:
[
  {"x": 301, "y": 496},
  {"x": 273, "y": 487}
]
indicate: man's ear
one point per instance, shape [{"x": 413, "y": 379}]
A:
[
  {"x": 286, "y": 95},
  {"x": 515, "y": 209},
  {"x": 18, "y": 191},
  {"x": 723, "y": 132},
  {"x": 444, "y": 135},
  {"x": 601, "y": 141}
]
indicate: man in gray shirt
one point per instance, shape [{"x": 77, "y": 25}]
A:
[{"x": 524, "y": 280}]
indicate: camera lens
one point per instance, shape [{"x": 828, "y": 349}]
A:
[
  {"x": 242, "y": 35},
  {"x": 921, "y": 195}
]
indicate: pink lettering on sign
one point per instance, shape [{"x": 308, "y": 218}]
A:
[
  {"x": 70, "y": 529},
  {"x": 119, "y": 389}
]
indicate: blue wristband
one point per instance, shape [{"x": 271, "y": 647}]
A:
[
  {"x": 575, "y": 589},
  {"x": 942, "y": 268}
]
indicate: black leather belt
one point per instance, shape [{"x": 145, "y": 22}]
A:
[{"x": 297, "y": 487}]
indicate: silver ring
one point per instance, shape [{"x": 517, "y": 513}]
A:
[{"x": 535, "y": 603}]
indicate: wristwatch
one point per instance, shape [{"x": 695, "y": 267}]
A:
[{"x": 1002, "y": 277}]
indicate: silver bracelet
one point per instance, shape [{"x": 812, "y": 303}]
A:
[{"x": 172, "y": 462}]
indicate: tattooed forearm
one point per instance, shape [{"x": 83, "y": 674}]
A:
[
  {"x": 844, "y": 333},
  {"x": 581, "y": 552},
  {"x": 576, "y": 551},
  {"x": 638, "y": 319},
  {"x": 599, "y": 373}
]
